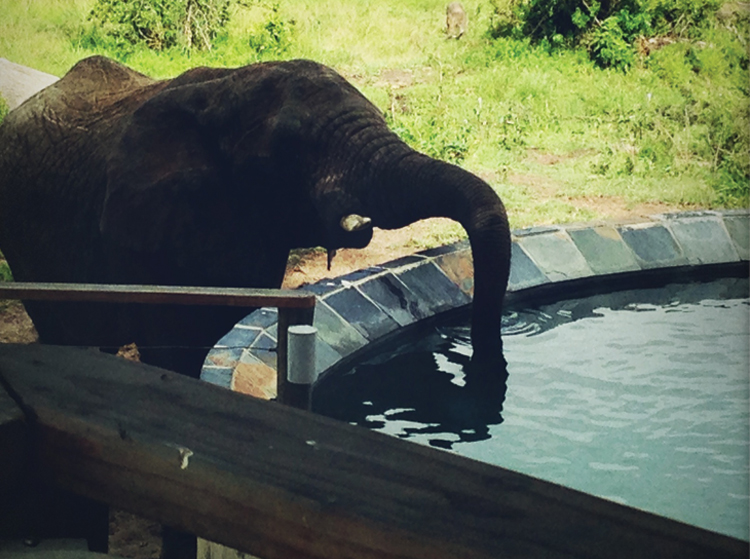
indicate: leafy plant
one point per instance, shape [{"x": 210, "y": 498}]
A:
[
  {"x": 3, "y": 109},
  {"x": 158, "y": 24},
  {"x": 609, "y": 47},
  {"x": 274, "y": 35},
  {"x": 5, "y": 274},
  {"x": 608, "y": 29}
]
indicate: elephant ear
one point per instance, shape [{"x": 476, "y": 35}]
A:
[{"x": 161, "y": 175}]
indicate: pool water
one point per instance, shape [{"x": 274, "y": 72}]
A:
[{"x": 638, "y": 396}]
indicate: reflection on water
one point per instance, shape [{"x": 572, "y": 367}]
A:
[
  {"x": 639, "y": 396},
  {"x": 441, "y": 399}
]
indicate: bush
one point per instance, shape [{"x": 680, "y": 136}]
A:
[
  {"x": 274, "y": 35},
  {"x": 157, "y": 24},
  {"x": 608, "y": 29},
  {"x": 5, "y": 274},
  {"x": 3, "y": 109},
  {"x": 608, "y": 46}
]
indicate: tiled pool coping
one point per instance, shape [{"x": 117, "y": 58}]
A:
[{"x": 357, "y": 309}]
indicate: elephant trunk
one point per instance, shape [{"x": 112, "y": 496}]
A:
[{"x": 417, "y": 187}]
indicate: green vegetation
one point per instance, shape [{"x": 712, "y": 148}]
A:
[
  {"x": 3, "y": 108},
  {"x": 581, "y": 114},
  {"x": 156, "y": 24}
]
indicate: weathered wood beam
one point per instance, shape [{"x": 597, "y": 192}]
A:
[
  {"x": 281, "y": 483},
  {"x": 152, "y": 294}
]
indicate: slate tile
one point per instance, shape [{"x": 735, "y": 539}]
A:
[
  {"x": 218, "y": 376},
  {"x": 433, "y": 289},
  {"x": 325, "y": 356},
  {"x": 556, "y": 255},
  {"x": 264, "y": 349},
  {"x": 536, "y": 230},
  {"x": 255, "y": 378},
  {"x": 523, "y": 272},
  {"x": 703, "y": 239},
  {"x": 323, "y": 287},
  {"x": 360, "y": 275},
  {"x": 363, "y": 314},
  {"x": 335, "y": 331},
  {"x": 459, "y": 267},
  {"x": 261, "y": 318},
  {"x": 653, "y": 245},
  {"x": 738, "y": 227},
  {"x": 223, "y": 357},
  {"x": 403, "y": 261},
  {"x": 459, "y": 246},
  {"x": 239, "y": 336},
  {"x": 604, "y": 250},
  {"x": 394, "y": 298}
]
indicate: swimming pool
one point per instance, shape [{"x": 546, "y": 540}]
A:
[{"x": 638, "y": 396}]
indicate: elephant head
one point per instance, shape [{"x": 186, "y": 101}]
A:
[{"x": 212, "y": 177}]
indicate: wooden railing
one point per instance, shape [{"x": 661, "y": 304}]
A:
[
  {"x": 295, "y": 307},
  {"x": 279, "y": 482}
]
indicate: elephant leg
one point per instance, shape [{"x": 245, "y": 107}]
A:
[{"x": 176, "y": 544}]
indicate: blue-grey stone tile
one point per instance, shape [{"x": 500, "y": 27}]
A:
[
  {"x": 323, "y": 287},
  {"x": 523, "y": 272},
  {"x": 262, "y": 318},
  {"x": 556, "y": 255},
  {"x": 394, "y": 298},
  {"x": 653, "y": 245},
  {"x": 223, "y": 357},
  {"x": 403, "y": 261},
  {"x": 264, "y": 349},
  {"x": 363, "y": 314},
  {"x": 325, "y": 356},
  {"x": 360, "y": 275},
  {"x": 239, "y": 337},
  {"x": 219, "y": 376},
  {"x": 273, "y": 331},
  {"x": 703, "y": 239},
  {"x": 433, "y": 288},
  {"x": 335, "y": 331},
  {"x": 536, "y": 230},
  {"x": 329, "y": 285},
  {"x": 604, "y": 250},
  {"x": 446, "y": 249},
  {"x": 738, "y": 227}
]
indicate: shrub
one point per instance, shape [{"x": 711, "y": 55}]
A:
[
  {"x": 3, "y": 109},
  {"x": 274, "y": 35},
  {"x": 159, "y": 24},
  {"x": 608, "y": 29},
  {"x": 5, "y": 274}
]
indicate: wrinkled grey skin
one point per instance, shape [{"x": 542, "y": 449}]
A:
[{"x": 209, "y": 179}]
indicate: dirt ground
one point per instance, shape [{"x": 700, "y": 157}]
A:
[{"x": 137, "y": 538}]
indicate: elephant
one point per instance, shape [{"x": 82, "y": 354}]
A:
[{"x": 210, "y": 179}]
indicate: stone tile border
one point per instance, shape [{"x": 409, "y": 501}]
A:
[{"x": 364, "y": 306}]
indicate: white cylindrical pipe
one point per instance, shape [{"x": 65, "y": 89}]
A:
[{"x": 301, "y": 356}]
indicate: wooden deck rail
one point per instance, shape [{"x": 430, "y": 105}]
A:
[
  {"x": 158, "y": 294},
  {"x": 283, "y": 483},
  {"x": 295, "y": 307}
]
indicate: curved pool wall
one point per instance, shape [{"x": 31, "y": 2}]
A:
[{"x": 550, "y": 262}]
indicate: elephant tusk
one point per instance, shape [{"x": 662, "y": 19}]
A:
[
  {"x": 354, "y": 222},
  {"x": 331, "y": 254}
]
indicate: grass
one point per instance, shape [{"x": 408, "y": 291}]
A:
[{"x": 547, "y": 129}]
